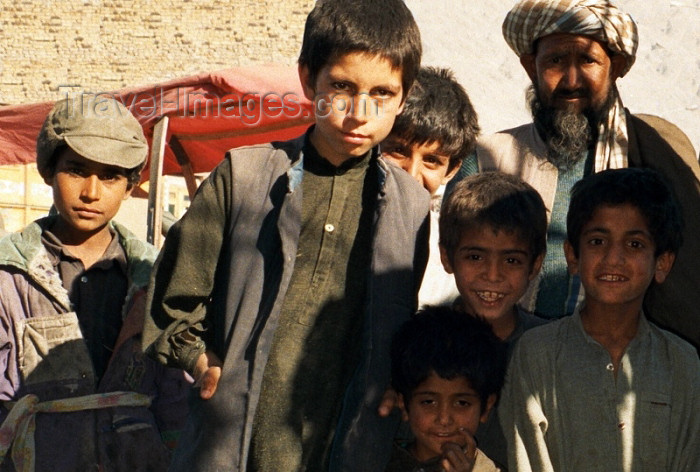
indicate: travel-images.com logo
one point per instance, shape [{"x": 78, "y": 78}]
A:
[{"x": 250, "y": 107}]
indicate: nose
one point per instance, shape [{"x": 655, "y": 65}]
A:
[
  {"x": 572, "y": 76},
  {"x": 492, "y": 271},
  {"x": 615, "y": 255},
  {"x": 444, "y": 416},
  {"x": 360, "y": 107},
  {"x": 91, "y": 188}
]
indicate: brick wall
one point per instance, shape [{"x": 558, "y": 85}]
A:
[{"x": 102, "y": 45}]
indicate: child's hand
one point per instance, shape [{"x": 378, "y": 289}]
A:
[
  {"x": 458, "y": 458},
  {"x": 390, "y": 400},
  {"x": 207, "y": 372}
]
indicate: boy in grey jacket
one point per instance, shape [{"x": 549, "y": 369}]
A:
[{"x": 281, "y": 287}]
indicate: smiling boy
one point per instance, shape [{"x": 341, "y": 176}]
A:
[
  {"x": 436, "y": 130},
  {"x": 72, "y": 290},
  {"x": 492, "y": 238},
  {"x": 280, "y": 288},
  {"x": 448, "y": 369},
  {"x": 605, "y": 389}
]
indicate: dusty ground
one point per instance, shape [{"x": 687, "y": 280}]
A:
[{"x": 665, "y": 80}]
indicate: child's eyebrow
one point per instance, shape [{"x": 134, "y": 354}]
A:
[
  {"x": 432, "y": 392},
  {"x": 500, "y": 251},
  {"x": 632, "y": 232}
]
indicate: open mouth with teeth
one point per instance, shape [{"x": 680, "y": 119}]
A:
[
  {"x": 612, "y": 278},
  {"x": 489, "y": 296}
]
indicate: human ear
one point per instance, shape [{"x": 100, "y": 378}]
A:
[
  {"x": 445, "y": 259},
  {"x": 305, "y": 79},
  {"x": 571, "y": 259},
  {"x": 402, "y": 406},
  {"x": 664, "y": 263},
  {"x": 536, "y": 267},
  {"x": 617, "y": 65},
  {"x": 490, "y": 402},
  {"x": 127, "y": 192},
  {"x": 529, "y": 64}
]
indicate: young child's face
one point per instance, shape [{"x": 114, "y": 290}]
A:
[
  {"x": 616, "y": 259},
  {"x": 86, "y": 194},
  {"x": 442, "y": 411},
  {"x": 492, "y": 270},
  {"x": 356, "y": 100},
  {"x": 425, "y": 162}
]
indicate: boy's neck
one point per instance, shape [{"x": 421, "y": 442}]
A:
[
  {"x": 504, "y": 326},
  {"x": 335, "y": 158},
  {"x": 88, "y": 247},
  {"x": 613, "y": 327}
]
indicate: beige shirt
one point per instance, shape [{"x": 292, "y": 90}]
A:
[{"x": 564, "y": 408}]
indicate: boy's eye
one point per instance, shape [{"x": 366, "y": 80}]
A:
[
  {"x": 636, "y": 244},
  {"x": 382, "y": 93},
  {"x": 397, "y": 151},
  {"x": 464, "y": 403},
  {"x": 595, "y": 241},
  {"x": 432, "y": 160},
  {"x": 474, "y": 257},
  {"x": 112, "y": 174},
  {"x": 341, "y": 86},
  {"x": 513, "y": 261},
  {"x": 76, "y": 171}
]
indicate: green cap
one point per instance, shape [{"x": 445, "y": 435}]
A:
[{"x": 99, "y": 129}]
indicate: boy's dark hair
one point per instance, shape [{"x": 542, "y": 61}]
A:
[
  {"x": 438, "y": 109},
  {"x": 378, "y": 27},
  {"x": 452, "y": 344},
  {"x": 504, "y": 202},
  {"x": 645, "y": 189}
]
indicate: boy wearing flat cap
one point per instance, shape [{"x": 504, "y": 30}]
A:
[{"x": 77, "y": 393}]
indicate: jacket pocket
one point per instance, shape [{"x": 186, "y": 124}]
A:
[{"x": 52, "y": 350}]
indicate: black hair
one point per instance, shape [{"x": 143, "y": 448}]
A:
[
  {"x": 452, "y": 344},
  {"x": 378, "y": 27},
  {"x": 502, "y": 201},
  {"x": 643, "y": 188},
  {"x": 438, "y": 109}
]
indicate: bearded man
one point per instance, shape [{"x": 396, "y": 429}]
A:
[{"x": 574, "y": 51}]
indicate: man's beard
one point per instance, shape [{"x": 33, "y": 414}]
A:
[{"x": 568, "y": 134}]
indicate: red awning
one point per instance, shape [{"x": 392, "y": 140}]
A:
[{"x": 207, "y": 113}]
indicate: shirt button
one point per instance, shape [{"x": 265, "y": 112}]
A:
[
  {"x": 621, "y": 426},
  {"x": 329, "y": 228},
  {"x": 339, "y": 171},
  {"x": 610, "y": 367},
  {"x": 83, "y": 279}
]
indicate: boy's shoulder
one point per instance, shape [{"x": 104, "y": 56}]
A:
[
  {"x": 19, "y": 248},
  {"x": 247, "y": 167},
  {"x": 542, "y": 339},
  {"x": 289, "y": 150},
  {"x": 679, "y": 351}
]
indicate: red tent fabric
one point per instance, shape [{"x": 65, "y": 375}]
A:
[{"x": 208, "y": 114}]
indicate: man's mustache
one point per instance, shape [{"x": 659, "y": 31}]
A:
[{"x": 568, "y": 94}]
